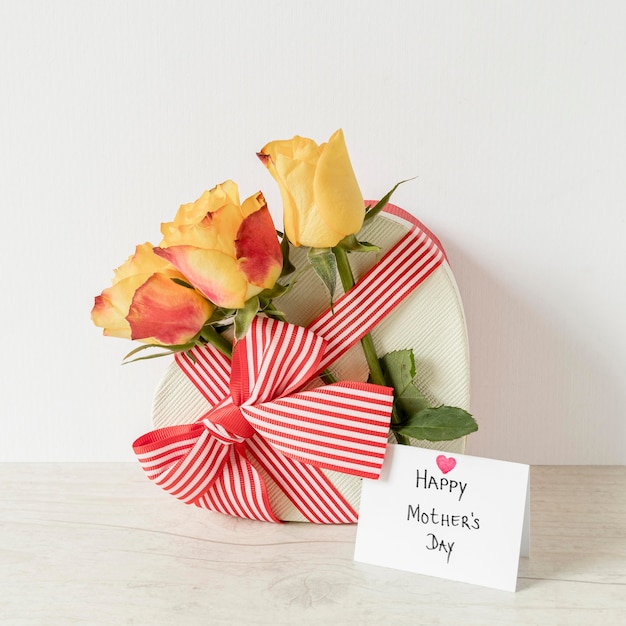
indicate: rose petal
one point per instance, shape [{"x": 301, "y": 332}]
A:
[
  {"x": 208, "y": 223},
  {"x": 111, "y": 306},
  {"x": 321, "y": 197},
  {"x": 258, "y": 249},
  {"x": 301, "y": 220},
  {"x": 213, "y": 273},
  {"x": 143, "y": 261},
  {"x": 108, "y": 316},
  {"x": 167, "y": 312},
  {"x": 337, "y": 194},
  {"x": 209, "y": 202}
]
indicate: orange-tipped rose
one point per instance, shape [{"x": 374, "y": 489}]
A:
[
  {"x": 144, "y": 302},
  {"x": 321, "y": 197},
  {"x": 227, "y": 251}
]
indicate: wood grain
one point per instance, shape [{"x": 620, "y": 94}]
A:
[{"x": 98, "y": 544}]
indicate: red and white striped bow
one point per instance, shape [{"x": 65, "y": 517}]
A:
[
  {"x": 261, "y": 423},
  {"x": 261, "y": 416}
]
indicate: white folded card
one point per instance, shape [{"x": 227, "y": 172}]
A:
[{"x": 458, "y": 517}]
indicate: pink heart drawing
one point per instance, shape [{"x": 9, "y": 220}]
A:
[{"x": 446, "y": 464}]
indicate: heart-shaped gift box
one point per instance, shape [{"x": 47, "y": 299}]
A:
[{"x": 429, "y": 320}]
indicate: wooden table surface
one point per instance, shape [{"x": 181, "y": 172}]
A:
[{"x": 99, "y": 544}]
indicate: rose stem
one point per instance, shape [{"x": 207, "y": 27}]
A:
[
  {"x": 217, "y": 340},
  {"x": 367, "y": 343}
]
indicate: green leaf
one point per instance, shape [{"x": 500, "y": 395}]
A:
[
  {"x": 351, "y": 243},
  {"x": 276, "y": 291},
  {"x": 145, "y": 346},
  {"x": 324, "y": 263},
  {"x": 169, "y": 350},
  {"x": 219, "y": 315},
  {"x": 244, "y": 317},
  {"x": 271, "y": 311},
  {"x": 399, "y": 370},
  {"x": 211, "y": 335},
  {"x": 439, "y": 424},
  {"x": 182, "y": 283},
  {"x": 288, "y": 267},
  {"x": 372, "y": 212},
  {"x": 151, "y": 356}
]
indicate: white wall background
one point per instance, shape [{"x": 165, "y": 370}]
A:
[{"x": 512, "y": 114}]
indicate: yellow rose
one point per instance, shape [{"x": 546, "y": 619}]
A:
[
  {"x": 144, "y": 302},
  {"x": 321, "y": 197},
  {"x": 227, "y": 251}
]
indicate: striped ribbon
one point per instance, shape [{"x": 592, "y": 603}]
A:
[{"x": 260, "y": 421}]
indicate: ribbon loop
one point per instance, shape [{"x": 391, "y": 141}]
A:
[{"x": 272, "y": 360}]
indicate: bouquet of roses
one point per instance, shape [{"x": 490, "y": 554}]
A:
[{"x": 276, "y": 425}]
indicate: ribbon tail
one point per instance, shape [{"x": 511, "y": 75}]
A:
[
  {"x": 240, "y": 490},
  {"x": 307, "y": 487}
]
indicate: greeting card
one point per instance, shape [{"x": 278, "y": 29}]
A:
[{"x": 453, "y": 516}]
